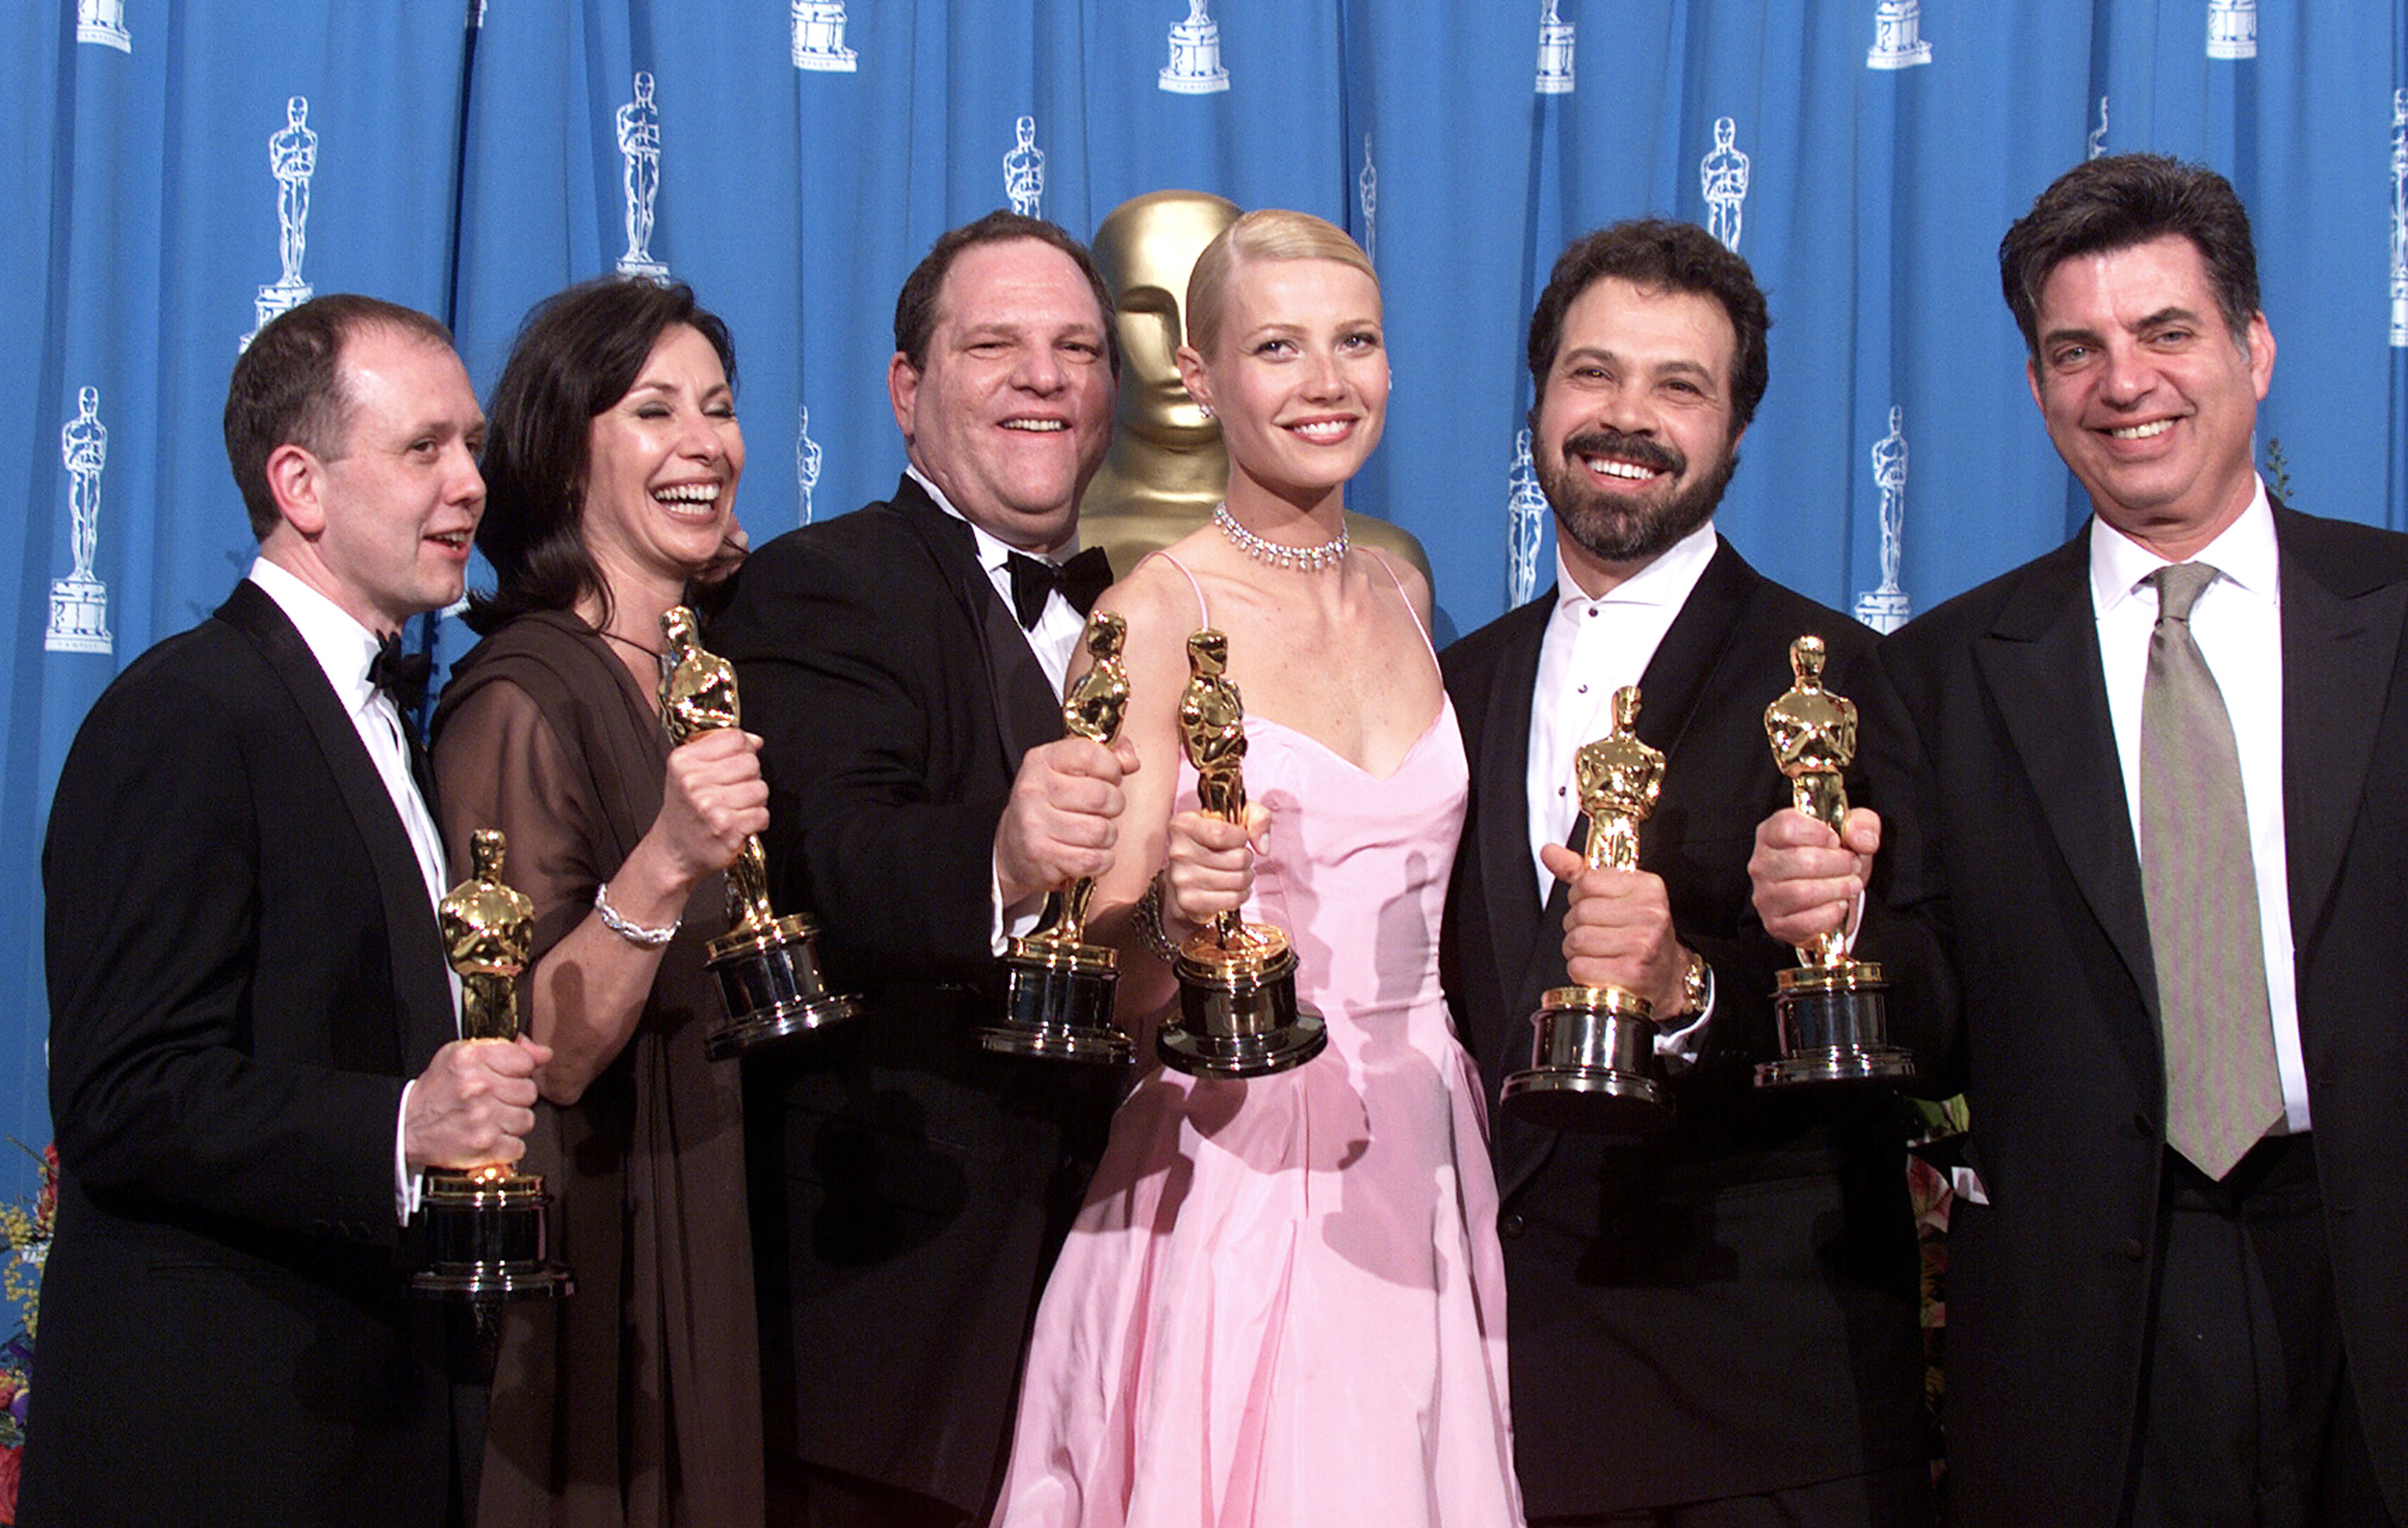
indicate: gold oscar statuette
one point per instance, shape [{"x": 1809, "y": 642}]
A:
[
  {"x": 768, "y": 967},
  {"x": 1831, "y": 1010},
  {"x": 1593, "y": 1063},
  {"x": 483, "y": 1228},
  {"x": 1238, "y": 1012},
  {"x": 1057, "y": 988}
]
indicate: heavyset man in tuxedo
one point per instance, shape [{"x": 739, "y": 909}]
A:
[
  {"x": 1718, "y": 1324},
  {"x": 252, "y": 1041},
  {"x": 2159, "y": 776},
  {"x": 903, "y": 665}
]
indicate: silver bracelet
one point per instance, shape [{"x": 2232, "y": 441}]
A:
[
  {"x": 1151, "y": 922},
  {"x": 632, "y": 931}
]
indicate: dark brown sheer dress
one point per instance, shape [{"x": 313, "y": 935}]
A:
[{"x": 637, "y": 1400}]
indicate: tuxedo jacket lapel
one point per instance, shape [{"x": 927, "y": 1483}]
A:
[
  {"x": 414, "y": 946},
  {"x": 1028, "y": 713},
  {"x": 1676, "y": 679},
  {"x": 2040, "y": 662},
  {"x": 2341, "y": 630},
  {"x": 1691, "y": 651},
  {"x": 1498, "y": 915},
  {"x": 1515, "y": 916},
  {"x": 1027, "y": 710}
]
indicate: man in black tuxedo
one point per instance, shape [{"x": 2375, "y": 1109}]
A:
[
  {"x": 2161, "y": 790},
  {"x": 903, "y": 664},
  {"x": 1716, "y": 1324},
  {"x": 252, "y": 1038}
]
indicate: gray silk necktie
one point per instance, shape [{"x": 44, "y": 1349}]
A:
[{"x": 2222, "y": 1090}]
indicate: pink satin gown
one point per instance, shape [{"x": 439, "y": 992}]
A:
[{"x": 1283, "y": 1303}]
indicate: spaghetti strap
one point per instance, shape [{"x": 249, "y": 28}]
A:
[
  {"x": 1381, "y": 558},
  {"x": 1203, "y": 612}
]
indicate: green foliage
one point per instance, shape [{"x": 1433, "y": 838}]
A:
[{"x": 2277, "y": 472}]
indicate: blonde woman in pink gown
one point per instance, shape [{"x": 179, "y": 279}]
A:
[{"x": 1283, "y": 1303}]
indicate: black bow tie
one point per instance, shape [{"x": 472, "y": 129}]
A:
[
  {"x": 1079, "y": 581},
  {"x": 402, "y": 675}
]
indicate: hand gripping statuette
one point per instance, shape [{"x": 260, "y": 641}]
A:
[
  {"x": 1057, "y": 988},
  {"x": 1593, "y": 1064},
  {"x": 484, "y": 1226},
  {"x": 768, "y": 967},
  {"x": 1831, "y": 1010},
  {"x": 1238, "y": 1012}
]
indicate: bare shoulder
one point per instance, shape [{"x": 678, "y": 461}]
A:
[
  {"x": 1153, "y": 591},
  {"x": 1410, "y": 580},
  {"x": 1159, "y": 609},
  {"x": 1158, "y": 595}
]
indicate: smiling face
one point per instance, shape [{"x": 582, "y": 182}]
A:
[
  {"x": 2148, "y": 395},
  {"x": 384, "y": 527},
  {"x": 661, "y": 465},
  {"x": 1632, "y": 438},
  {"x": 1011, "y": 414},
  {"x": 1298, "y": 376}
]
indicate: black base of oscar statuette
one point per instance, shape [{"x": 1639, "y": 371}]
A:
[
  {"x": 1593, "y": 1065},
  {"x": 771, "y": 982},
  {"x": 1238, "y": 1012},
  {"x": 486, "y": 1239},
  {"x": 1057, "y": 1003},
  {"x": 1834, "y": 1024}
]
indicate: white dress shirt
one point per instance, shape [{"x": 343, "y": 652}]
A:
[
  {"x": 2237, "y": 623},
  {"x": 1054, "y": 639},
  {"x": 1056, "y": 635},
  {"x": 1593, "y": 647},
  {"x": 344, "y": 650}
]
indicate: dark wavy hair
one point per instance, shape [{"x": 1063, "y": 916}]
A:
[
  {"x": 1657, "y": 254},
  {"x": 2121, "y": 200},
  {"x": 287, "y": 389},
  {"x": 915, "y": 305},
  {"x": 576, "y": 355}
]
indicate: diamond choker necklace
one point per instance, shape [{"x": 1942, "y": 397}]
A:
[{"x": 1312, "y": 559}]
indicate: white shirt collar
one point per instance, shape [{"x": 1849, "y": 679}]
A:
[
  {"x": 2245, "y": 553},
  {"x": 1666, "y": 581},
  {"x": 341, "y": 644},
  {"x": 993, "y": 550}
]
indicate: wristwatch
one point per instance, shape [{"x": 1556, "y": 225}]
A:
[{"x": 1697, "y": 985}]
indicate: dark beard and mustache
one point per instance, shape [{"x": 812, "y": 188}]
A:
[{"x": 1612, "y": 531}]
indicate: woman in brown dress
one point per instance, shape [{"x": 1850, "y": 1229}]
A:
[{"x": 611, "y": 464}]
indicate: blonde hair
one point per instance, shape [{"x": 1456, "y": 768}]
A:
[{"x": 1266, "y": 233}]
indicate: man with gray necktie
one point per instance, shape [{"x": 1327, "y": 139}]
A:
[{"x": 2157, "y": 819}]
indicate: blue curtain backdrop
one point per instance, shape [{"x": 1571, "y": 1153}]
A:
[{"x": 181, "y": 169}]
